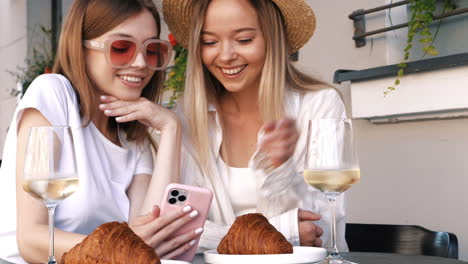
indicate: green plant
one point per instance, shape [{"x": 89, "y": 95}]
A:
[
  {"x": 422, "y": 16},
  {"x": 176, "y": 76},
  {"x": 40, "y": 62}
]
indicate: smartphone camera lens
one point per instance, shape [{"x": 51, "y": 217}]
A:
[
  {"x": 174, "y": 192},
  {"x": 182, "y": 198},
  {"x": 172, "y": 200}
]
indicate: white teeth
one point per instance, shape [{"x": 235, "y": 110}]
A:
[
  {"x": 233, "y": 71},
  {"x": 131, "y": 79}
]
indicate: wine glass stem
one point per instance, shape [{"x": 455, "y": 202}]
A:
[
  {"x": 334, "y": 251},
  {"x": 51, "y": 209}
]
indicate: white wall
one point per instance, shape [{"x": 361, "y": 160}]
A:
[
  {"x": 12, "y": 51},
  {"x": 412, "y": 173}
]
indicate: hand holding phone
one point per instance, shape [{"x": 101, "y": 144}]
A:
[{"x": 199, "y": 199}]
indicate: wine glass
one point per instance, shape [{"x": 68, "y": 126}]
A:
[
  {"x": 331, "y": 165},
  {"x": 50, "y": 173}
]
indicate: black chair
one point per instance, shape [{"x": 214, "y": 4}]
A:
[{"x": 401, "y": 239}]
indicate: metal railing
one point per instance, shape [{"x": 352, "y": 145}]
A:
[{"x": 359, "y": 21}]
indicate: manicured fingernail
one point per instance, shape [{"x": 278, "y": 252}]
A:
[
  {"x": 194, "y": 213},
  {"x": 118, "y": 119},
  {"x": 103, "y": 97},
  {"x": 199, "y": 231},
  {"x": 102, "y": 106},
  {"x": 187, "y": 209},
  {"x": 107, "y": 112},
  {"x": 192, "y": 242}
]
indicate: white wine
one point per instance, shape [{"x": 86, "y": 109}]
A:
[
  {"x": 332, "y": 181},
  {"x": 51, "y": 191}
]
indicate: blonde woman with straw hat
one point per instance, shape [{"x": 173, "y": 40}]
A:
[{"x": 244, "y": 111}]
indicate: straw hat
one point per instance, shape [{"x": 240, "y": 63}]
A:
[{"x": 298, "y": 16}]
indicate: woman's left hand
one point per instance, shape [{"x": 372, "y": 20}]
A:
[
  {"x": 279, "y": 140},
  {"x": 146, "y": 112}
]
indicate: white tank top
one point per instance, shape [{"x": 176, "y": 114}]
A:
[{"x": 241, "y": 185}]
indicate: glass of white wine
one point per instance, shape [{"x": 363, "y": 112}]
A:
[
  {"x": 331, "y": 166},
  {"x": 50, "y": 173}
]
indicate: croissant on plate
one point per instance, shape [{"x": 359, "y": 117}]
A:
[
  {"x": 114, "y": 243},
  {"x": 252, "y": 234}
]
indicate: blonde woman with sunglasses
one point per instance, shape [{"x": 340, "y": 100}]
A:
[{"x": 108, "y": 49}]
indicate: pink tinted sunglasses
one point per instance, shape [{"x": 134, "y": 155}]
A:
[{"x": 120, "y": 51}]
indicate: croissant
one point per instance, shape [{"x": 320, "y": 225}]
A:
[
  {"x": 114, "y": 243},
  {"x": 252, "y": 234}
]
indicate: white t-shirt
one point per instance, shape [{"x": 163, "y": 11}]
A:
[{"x": 105, "y": 170}]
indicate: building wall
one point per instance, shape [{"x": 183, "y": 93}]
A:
[
  {"x": 39, "y": 15},
  {"x": 20, "y": 30},
  {"x": 13, "y": 45},
  {"x": 412, "y": 173}
]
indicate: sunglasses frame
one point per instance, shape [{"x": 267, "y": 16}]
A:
[{"x": 140, "y": 48}]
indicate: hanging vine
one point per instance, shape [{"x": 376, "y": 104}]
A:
[{"x": 422, "y": 16}]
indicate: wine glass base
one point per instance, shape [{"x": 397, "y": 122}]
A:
[{"x": 339, "y": 260}]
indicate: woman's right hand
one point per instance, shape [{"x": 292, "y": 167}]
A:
[
  {"x": 279, "y": 140},
  {"x": 309, "y": 233},
  {"x": 144, "y": 111},
  {"x": 155, "y": 230}
]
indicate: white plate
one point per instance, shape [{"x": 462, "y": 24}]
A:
[
  {"x": 299, "y": 255},
  {"x": 167, "y": 261}
]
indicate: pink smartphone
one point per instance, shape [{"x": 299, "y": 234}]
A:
[{"x": 179, "y": 195}]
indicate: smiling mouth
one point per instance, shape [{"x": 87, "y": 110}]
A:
[
  {"x": 131, "y": 79},
  {"x": 233, "y": 71}
]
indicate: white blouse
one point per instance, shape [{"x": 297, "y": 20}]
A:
[{"x": 279, "y": 193}]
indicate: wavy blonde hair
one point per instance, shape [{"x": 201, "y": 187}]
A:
[{"x": 202, "y": 88}]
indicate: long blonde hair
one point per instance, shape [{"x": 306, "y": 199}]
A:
[
  {"x": 202, "y": 88},
  {"x": 88, "y": 19}
]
